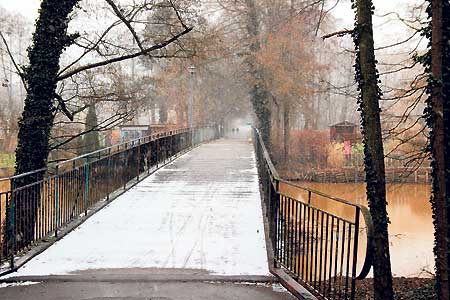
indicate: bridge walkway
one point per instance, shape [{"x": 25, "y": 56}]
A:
[{"x": 193, "y": 229}]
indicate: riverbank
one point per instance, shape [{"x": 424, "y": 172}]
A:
[
  {"x": 357, "y": 175},
  {"x": 405, "y": 289}
]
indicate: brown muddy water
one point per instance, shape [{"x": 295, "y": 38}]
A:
[{"x": 411, "y": 228}]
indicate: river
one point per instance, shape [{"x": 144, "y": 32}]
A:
[{"x": 411, "y": 227}]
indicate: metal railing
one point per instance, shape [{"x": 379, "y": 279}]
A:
[
  {"x": 314, "y": 237},
  {"x": 67, "y": 190}
]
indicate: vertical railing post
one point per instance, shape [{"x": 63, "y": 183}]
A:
[
  {"x": 273, "y": 223},
  {"x": 150, "y": 150},
  {"x": 125, "y": 155},
  {"x": 157, "y": 150},
  {"x": 164, "y": 148},
  {"x": 108, "y": 175},
  {"x": 12, "y": 227},
  {"x": 56, "y": 201},
  {"x": 355, "y": 252},
  {"x": 86, "y": 185},
  {"x": 138, "y": 161},
  {"x": 172, "y": 145}
]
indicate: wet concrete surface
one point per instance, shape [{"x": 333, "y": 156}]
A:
[{"x": 144, "y": 291}]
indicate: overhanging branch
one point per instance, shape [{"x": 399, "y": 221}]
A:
[
  {"x": 339, "y": 33},
  {"x": 124, "y": 57},
  {"x": 16, "y": 66}
]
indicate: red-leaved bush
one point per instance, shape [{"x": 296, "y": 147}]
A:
[{"x": 308, "y": 149}]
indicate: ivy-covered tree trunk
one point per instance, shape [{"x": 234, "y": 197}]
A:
[
  {"x": 437, "y": 113},
  {"x": 259, "y": 95},
  {"x": 367, "y": 78},
  {"x": 49, "y": 40}
]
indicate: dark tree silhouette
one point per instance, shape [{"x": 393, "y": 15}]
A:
[
  {"x": 437, "y": 114},
  {"x": 369, "y": 95}
]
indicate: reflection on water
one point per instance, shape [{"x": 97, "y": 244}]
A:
[{"x": 411, "y": 228}]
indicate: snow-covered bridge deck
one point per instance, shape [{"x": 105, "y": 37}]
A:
[{"x": 200, "y": 213}]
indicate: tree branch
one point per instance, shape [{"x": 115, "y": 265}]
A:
[
  {"x": 124, "y": 57},
  {"x": 340, "y": 33},
  {"x": 93, "y": 47},
  {"x": 126, "y": 22},
  {"x": 16, "y": 66},
  {"x": 63, "y": 107},
  {"x": 178, "y": 14}
]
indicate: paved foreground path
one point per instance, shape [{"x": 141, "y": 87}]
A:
[{"x": 195, "y": 221}]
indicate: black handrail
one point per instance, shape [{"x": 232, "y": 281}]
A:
[
  {"x": 69, "y": 189},
  {"x": 109, "y": 150},
  {"x": 302, "y": 239}
]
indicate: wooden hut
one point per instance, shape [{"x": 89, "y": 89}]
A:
[{"x": 345, "y": 131}]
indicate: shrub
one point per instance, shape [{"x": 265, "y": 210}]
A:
[{"x": 310, "y": 148}]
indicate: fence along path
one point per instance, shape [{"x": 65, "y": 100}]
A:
[
  {"x": 68, "y": 190},
  {"x": 202, "y": 211},
  {"x": 317, "y": 246}
]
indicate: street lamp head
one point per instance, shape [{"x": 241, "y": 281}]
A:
[{"x": 191, "y": 69}]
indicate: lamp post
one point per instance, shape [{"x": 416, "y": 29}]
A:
[{"x": 190, "y": 103}]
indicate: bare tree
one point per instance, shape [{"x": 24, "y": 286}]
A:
[{"x": 43, "y": 74}]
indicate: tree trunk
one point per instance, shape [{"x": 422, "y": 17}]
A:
[
  {"x": 49, "y": 40},
  {"x": 286, "y": 130},
  {"x": 367, "y": 78},
  {"x": 260, "y": 97},
  {"x": 437, "y": 115},
  {"x": 163, "y": 112},
  {"x": 278, "y": 130}
]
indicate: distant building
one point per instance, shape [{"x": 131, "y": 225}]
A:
[
  {"x": 345, "y": 131},
  {"x": 132, "y": 132}
]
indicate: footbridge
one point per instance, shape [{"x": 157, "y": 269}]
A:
[{"x": 185, "y": 214}]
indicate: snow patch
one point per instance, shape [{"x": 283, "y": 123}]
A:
[{"x": 16, "y": 284}]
